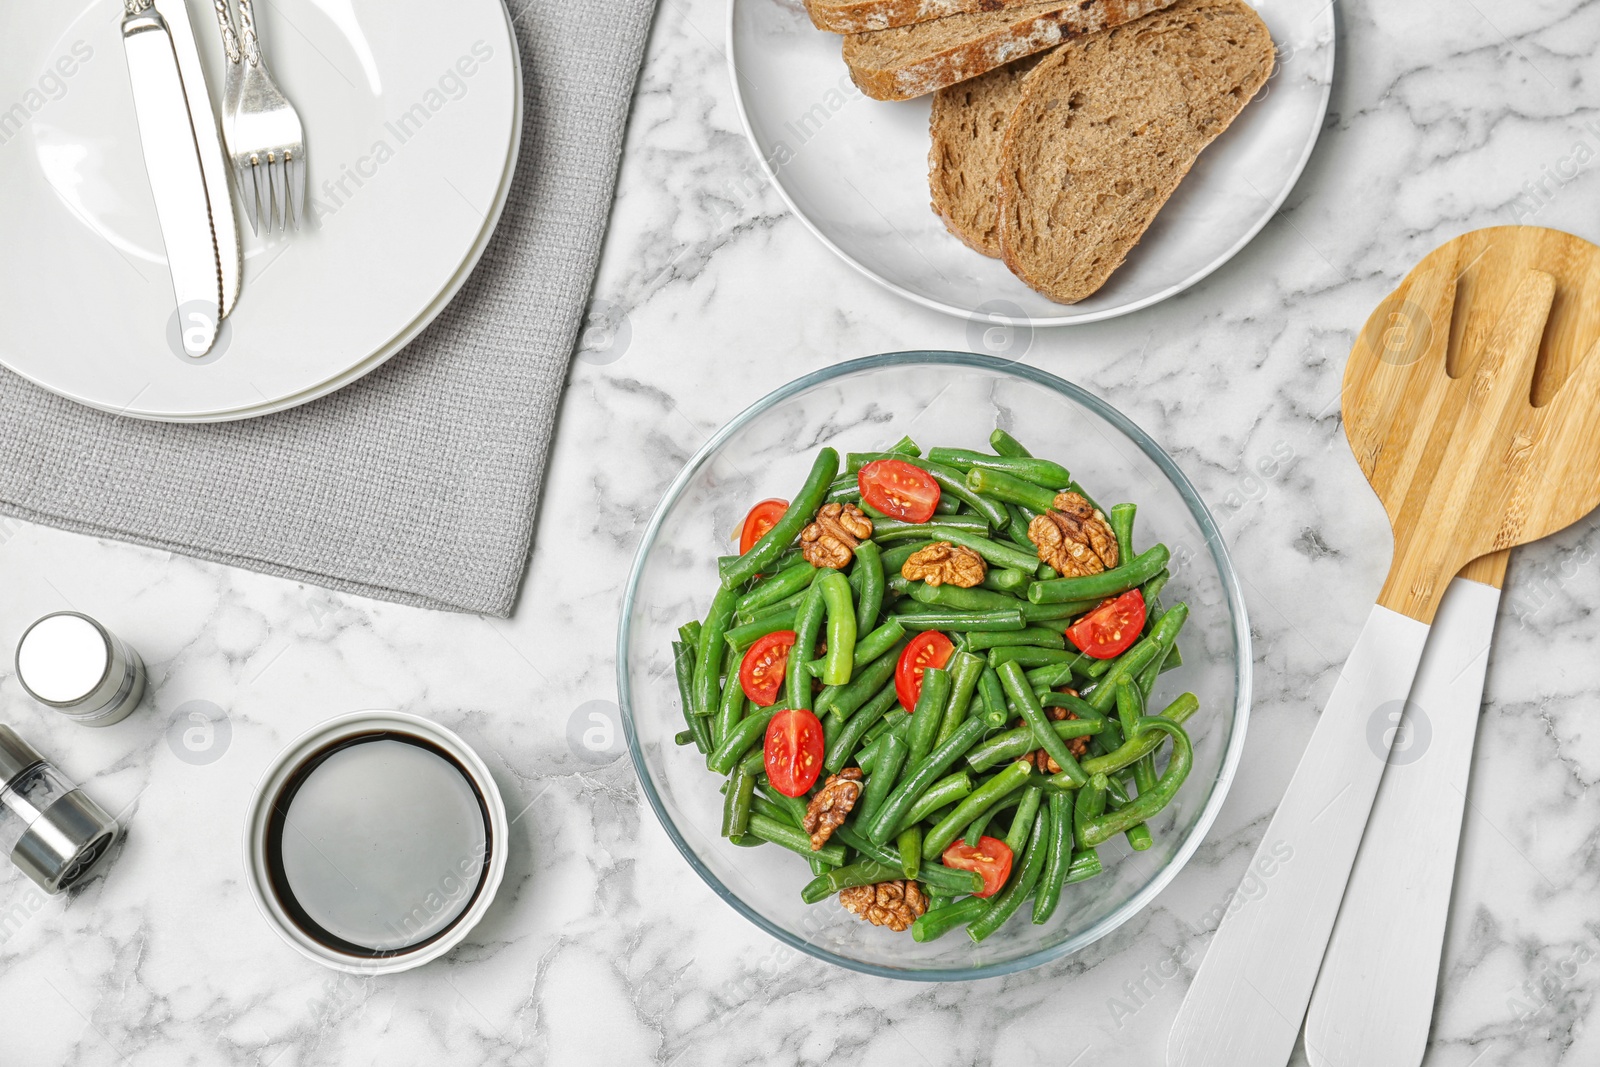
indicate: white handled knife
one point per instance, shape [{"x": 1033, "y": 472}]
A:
[
  {"x": 208, "y": 137},
  {"x": 177, "y": 179}
]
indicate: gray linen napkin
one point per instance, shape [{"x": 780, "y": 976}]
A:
[{"x": 418, "y": 483}]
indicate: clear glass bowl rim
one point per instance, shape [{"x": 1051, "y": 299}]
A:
[{"x": 1243, "y": 664}]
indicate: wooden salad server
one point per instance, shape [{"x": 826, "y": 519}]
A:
[
  {"x": 1373, "y": 1002},
  {"x": 1465, "y": 467}
]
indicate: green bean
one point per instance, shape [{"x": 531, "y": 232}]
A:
[
  {"x": 841, "y": 614},
  {"x": 992, "y": 551},
  {"x": 1027, "y": 656},
  {"x": 1151, "y": 590},
  {"x": 934, "y": 874},
  {"x": 1057, "y": 861},
  {"x": 699, "y": 725},
  {"x": 708, "y": 662},
  {"x": 1090, "y": 802},
  {"x": 979, "y": 825},
  {"x": 845, "y": 489},
  {"x": 937, "y": 922},
  {"x": 911, "y": 851},
  {"x": 772, "y": 544},
  {"x": 1104, "y": 826},
  {"x": 1041, "y": 472},
  {"x": 996, "y": 714},
  {"x": 1179, "y": 711},
  {"x": 1021, "y": 694},
  {"x": 869, "y": 564},
  {"x": 850, "y": 736},
  {"x": 1014, "y": 744},
  {"x": 730, "y": 709},
  {"x": 1007, "y": 489},
  {"x": 793, "y": 808},
  {"x": 884, "y": 823},
  {"x": 894, "y": 530},
  {"x": 732, "y": 748},
  {"x": 689, "y": 633},
  {"x": 868, "y": 648},
  {"x": 1149, "y": 650},
  {"x": 1077, "y": 705},
  {"x": 795, "y": 840},
  {"x": 742, "y": 637},
  {"x": 736, "y": 804},
  {"x": 1003, "y": 444},
  {"x": 760, "y": 805},
  {"x": 788, "y": 605},
  {"x": 1166, "y": 632},
  {"x": 1121, "y": 523},
  {"x": 1085, "y": 865},
  {"x": 979, "y": 801},
  {"x": 867, "y": 683},
  {"x": 1007, "y": 580},
  {"x": 945, "y": 793},
  {"x": 1109, "y": 583},
  {"x": 753, "y": 759},
  {"x": 1033, "y": 637},
  {"x": 784, "y": 584},
  {"x": 1130, "y": 709},
  {"x": 1005, "y": 905},
  {"x": 861, "y": 872},
  {"x": 905, "y": 447},
  {"x": 683, "y": 737},
  {"x": 807, "y": 625},
  {"x": 965, "y": 670},
  {"x": 958, "y": 599},
  {"x": 962, "y": 622},
  {"x": 927, "y": 716},
  {"x": 1022, "y": 822},
  {"x": 1057, "y": 612},
  {"x": 880, "y": 783}
]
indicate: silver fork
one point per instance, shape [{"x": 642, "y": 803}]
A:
[{"x": 262, "y": 129}]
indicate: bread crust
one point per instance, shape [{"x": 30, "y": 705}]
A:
[
  {"x": 911, "y": 61},
  {"x": 862, "y": 16},
  {"x": 1107, "y": 128}
]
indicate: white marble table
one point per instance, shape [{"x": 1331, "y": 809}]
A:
[{"x": 604, "y": 948}]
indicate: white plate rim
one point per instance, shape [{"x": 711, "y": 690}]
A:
[{"x": 974, "y": 315}]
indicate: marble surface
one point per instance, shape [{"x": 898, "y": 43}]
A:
[{"x": 603, "y": 947}]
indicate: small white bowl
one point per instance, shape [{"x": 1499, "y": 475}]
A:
[{"x": 375, "y": 840}]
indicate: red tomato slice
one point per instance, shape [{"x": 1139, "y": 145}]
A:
[
  {"x": 763, "y": 517},
  {"x": 1109, "y": 629},
  {"x": 793, "y": 751},
  {"x": 928, "y": 649},
  {"x": 899, "y": 490},
  {"x": 761, "y": 673},
  {"x": 990, "y": 857}
]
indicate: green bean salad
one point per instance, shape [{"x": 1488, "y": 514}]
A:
[{"x": 928, "y": 675}]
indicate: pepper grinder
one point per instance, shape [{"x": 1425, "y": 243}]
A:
[
  {"x": 49, "y": 827},
  {"x": 73, "y": 664}
]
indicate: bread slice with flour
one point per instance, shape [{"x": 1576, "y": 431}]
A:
[
  {"x": 859, "y": 16},
  {"x": 1108, "y": 126},
  {"x": 911, "y": 61},
  {"x": 967, "y": 128}
]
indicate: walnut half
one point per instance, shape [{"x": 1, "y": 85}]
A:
[
  {"x": 1074, "y": 538},
  {"x": 942, "y": 563},
  {"x": 831, "y": 804},
  {"x": 895, "y": 904},
  {"x": 831, "y": 540}
]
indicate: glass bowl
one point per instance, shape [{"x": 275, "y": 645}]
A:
[{"x": 939, "y": 398}]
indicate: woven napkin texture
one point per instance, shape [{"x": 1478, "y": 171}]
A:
[{"x": 419, "y": 483}]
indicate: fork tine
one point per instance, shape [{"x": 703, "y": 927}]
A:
[
  {"x": 297, "y": 184},
  {"x": 247, "y": 192},
  {"x": 275, "y": 179}
]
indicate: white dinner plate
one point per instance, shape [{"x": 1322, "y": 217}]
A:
[
  {"x": 411, "y": 125},
  {"x": 855, "y": 170}
]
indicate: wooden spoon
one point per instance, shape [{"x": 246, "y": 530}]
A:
[
  {"x": 1374, "y": 996},
  {"x": 1464, "y": 466}
]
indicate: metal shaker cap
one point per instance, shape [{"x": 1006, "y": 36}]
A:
[
  {"x": 54, "y": 832},
  {"x": 70, "y": 662}
]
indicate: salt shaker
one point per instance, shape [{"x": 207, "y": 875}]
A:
[
  {"x": 73, "y": 664},
  {"x": 49, "y": 827}
]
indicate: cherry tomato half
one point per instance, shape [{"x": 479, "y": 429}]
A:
[
  {"x": 793, "y": 751},
  {"x": 1109, "y": 629},
  {"x": 763, "y": 517},
  {"x": 899, "y": 490},
  {"x": 928, "y": 649},
  {"x": 990, "y": 857},
  {"x": 761, "y": 673}
]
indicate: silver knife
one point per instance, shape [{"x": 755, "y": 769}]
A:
[
  {"x": 172, "y": 159},
  {"x": 213, "y": 161}
]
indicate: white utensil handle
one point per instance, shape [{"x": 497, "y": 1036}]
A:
[
  {"x": 1249, "y": 997},
  {"x": 1374, "y": 997}
]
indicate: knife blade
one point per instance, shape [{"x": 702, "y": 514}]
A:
[
  {"x": 172, "y": 160},
  {"x": 208, "y": 136}
]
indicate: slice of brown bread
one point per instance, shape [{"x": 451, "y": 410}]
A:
[
  {"x": 908, "y": 61},
  {"x": 859, "y": 16},
  {"x": 1106, "y": 129},
  {"x": 968, "y": 129}
]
